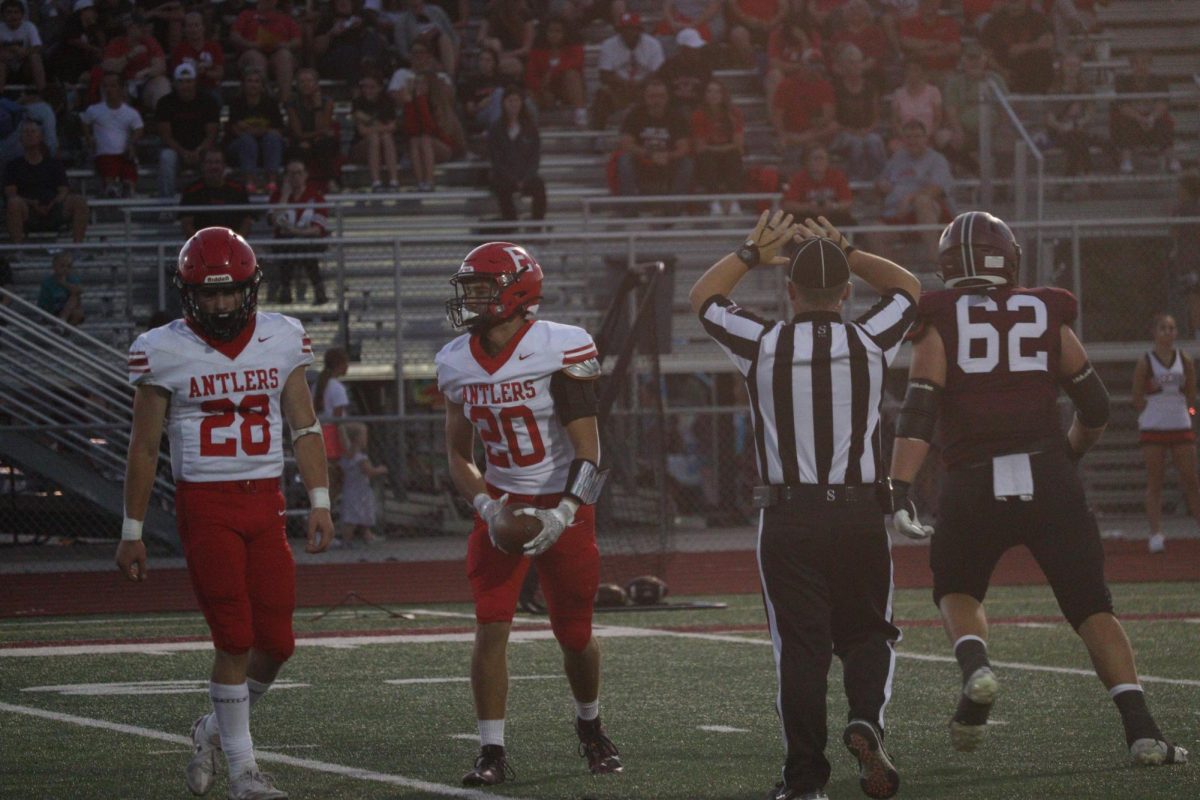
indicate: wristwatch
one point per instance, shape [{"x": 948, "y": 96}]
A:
[{"x": 748, "y": 253}]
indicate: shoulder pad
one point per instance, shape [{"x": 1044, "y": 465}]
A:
[{"x": 584, "y": 370}]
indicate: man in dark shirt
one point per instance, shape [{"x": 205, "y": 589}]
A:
[
  {"x": 37, "y": 193},
  {"x": 213, "y": 189},
  {"x": 187, "y": 124},
  {"x": 1021, "y": 41},
  {"x": 655, "y": 149},
  {"x": 1142, "y": 123},
  {"x": 688, "y": 71}
]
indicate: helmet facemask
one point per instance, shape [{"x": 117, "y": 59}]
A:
[
  {"x": 220, "y": 326},
  {"x": 478, "y": 303}
]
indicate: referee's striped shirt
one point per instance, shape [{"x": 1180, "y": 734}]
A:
[{"x": 815, "y": 384}]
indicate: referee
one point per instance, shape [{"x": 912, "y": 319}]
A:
[{"x": 815, "y": 386}]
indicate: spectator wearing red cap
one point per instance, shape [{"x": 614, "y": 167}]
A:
[
  {"x": 627, "y": 59},
  {"x": 264, "y": 34},
  {"x": 750, "y": 23}
]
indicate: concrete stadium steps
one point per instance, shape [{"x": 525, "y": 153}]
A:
[{"x": 1125, "y": 14}]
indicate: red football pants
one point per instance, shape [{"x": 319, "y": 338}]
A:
[
  {"x": 569, "y": 573},
  {"x": 240, "y": 563}
]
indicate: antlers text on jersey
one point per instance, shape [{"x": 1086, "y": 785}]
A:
[
  {"x": 248, "y": 380},
  {"x": 493, "y": 394}
]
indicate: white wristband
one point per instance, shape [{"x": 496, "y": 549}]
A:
[
  {"x": 131, "y": 530},
  {"x": 481, "y": 500},
  {"x": 319, "y": 497}
]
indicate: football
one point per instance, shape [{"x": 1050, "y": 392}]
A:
[{"x": 512, "y": 530}]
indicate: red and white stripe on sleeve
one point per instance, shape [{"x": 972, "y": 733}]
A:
[
  {"x": 139, "y": 363},
  {"x": 579, "y": 354}
]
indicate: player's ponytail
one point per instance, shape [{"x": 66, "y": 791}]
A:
[{"x": 336, "y": 360}]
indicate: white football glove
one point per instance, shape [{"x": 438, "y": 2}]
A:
[
  {"x": 489, "y": 508},
  {"x": 554, "y": 522},
  {"x": 904, "y": 513}
]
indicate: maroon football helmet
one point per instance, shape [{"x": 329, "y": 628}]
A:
[
  {"x": 514, "y": 286},
  {"x": 978, "y": 249},
  {"x": 217, "y": 259}
]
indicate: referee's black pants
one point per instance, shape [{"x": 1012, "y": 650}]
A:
[{"x": 827, "y": 585}]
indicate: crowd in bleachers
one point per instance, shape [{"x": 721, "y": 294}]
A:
[{"x": 857, "y": 92}]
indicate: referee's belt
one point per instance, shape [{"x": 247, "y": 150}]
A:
[{"x": 834, "y": 494}]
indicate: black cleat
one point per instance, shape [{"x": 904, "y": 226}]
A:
[
  {"x": 491, "y": 767},
  {"x": 597, "y": 748},
  {"x": 876, "y": 774}
]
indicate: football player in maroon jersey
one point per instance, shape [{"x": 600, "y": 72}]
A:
[{"x": 989, "y": 358}]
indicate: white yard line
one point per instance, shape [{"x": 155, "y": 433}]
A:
[
  {"x": 722, "y": 729},
  {"x": 264, "y": 755},
  {"x": 412, "y": 681}
]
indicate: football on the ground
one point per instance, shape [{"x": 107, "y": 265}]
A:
[
  {"x": 647, "y": 590},
  {"x": 512, "y": 531}
]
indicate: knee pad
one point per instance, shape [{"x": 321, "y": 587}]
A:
[{"x": 572, "y": 633}]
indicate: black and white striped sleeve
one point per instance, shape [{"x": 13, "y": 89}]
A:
[
  {"x": 886, "y": 322},
  {"x": 734, "y": 328}
]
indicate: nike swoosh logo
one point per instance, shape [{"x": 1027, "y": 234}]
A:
[
  {"x": 524, "y": 356},
  {"x": 264, "y": 338},
  {"x": 281, "y": 513}
]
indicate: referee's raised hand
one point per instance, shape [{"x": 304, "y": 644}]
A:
[
  {"x": 770, "y": 235},
  {"x": 824, "y": 229}
]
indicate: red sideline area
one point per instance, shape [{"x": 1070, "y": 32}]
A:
[{"x": 727, "y": 572}]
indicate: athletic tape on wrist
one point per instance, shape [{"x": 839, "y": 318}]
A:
[
  {"x": 131, "y": 530},
  {"x": 314, "y": 429},
  {"x": 319, "y": 497}
]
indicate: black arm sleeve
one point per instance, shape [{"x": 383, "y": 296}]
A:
[
  {"x": 573, "y": 398},
  {"x": 919, "y": 413},
  {"x": 1087, "y": 392}
]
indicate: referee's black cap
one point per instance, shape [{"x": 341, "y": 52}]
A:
[{"x": 819, "y": 264}]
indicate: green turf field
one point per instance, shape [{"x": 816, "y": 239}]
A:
[{"x": 346, "y": 732}]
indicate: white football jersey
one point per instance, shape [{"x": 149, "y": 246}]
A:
[
  {"x": 224, "y": 422},
  {"x": 507, "y": 398}
]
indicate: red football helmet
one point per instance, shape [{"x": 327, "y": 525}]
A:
[
  {"x": 978, "y": 249},
  {"x": 511, "y": 277},
  {"x": 217, "y": 259}
]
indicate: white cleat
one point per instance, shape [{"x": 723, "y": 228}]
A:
[
  {"x": 969, "y": 725},
  {"x": 255, "y": 785},
  {"x": 202, "y": 769},
  {"x": 1156, "y": 753},
  {"x": 1157, "y": 543}
]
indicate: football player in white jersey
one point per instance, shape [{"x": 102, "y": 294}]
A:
[
  {"x": 219, "y": 378},
  {"x": 528, "y": 387}
]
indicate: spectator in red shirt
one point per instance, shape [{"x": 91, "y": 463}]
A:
[
  {"x": 932, "y": 39},
  {"x": 264, "y": 35},
  {"x": 554, "y": 74},
  {"x": 820, "y": 190},
  {"x": 789, "y": 47},
  {"x": 861, "y": 30},
  {"x": 750, "y": 22},
  {"x": 140, "y": 61},
  {"x": 802, "y": 112},
  {"x": 704, "y": 16},
  {"x": 718, "y": 144},
  {"x": 301, "y": 226},
  {"x": 434, "y": 132},
  {"x": 205, "y": 54}
]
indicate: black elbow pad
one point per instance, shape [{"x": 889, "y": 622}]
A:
[
  {"x": 1087, "y": 392},
  {"x": 919, "y": 413}
]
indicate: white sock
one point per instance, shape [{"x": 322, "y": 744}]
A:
[
  {"x": 587, "y": 711},
  {"x": 491, "y": 731},
  {"x": 257, "y": 689},
  {"x": 232, "y": 706},
  {"x": 1123, "y": 687}
]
